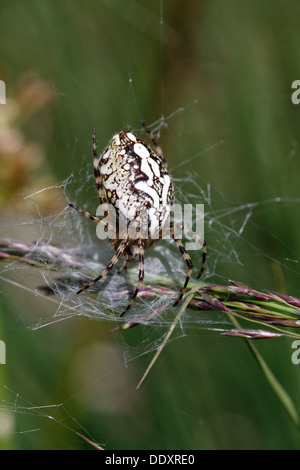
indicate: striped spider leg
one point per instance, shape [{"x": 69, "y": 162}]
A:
[{"x": 186, "y": 256}]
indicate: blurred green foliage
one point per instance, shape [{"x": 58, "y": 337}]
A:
[{"x": 229, "y": 66}]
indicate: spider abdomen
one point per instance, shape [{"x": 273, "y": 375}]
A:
[{"x": 136, "y": 183}]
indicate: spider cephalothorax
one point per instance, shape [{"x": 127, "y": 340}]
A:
[{"x": 133, "y": 180}]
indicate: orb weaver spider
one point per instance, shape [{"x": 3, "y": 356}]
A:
[{"x": 134, "y": 179}]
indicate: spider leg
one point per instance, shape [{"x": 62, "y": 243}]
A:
[
  {"x": 154, "y": 141},
  {"x": 92, "y": 217},
  {"x": 111, "y": 264},
  {"x": 189, "y": 263},
  {"x": 198, "y": 240},
  {"x": 203, "y": 259},
  {"x": 98, "y": 176},
  {"x": 141, "y": 273},
  {"x": 124, "y": 267}
]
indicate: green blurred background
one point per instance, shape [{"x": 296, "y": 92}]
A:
[{"x": 219, "y": 75}]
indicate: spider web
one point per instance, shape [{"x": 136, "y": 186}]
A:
[
  {"x": 52, "y": 294},
  {"x": 55, "y": 293}
]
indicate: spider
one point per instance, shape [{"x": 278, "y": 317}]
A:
[{"x": 133, "y": 178}]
